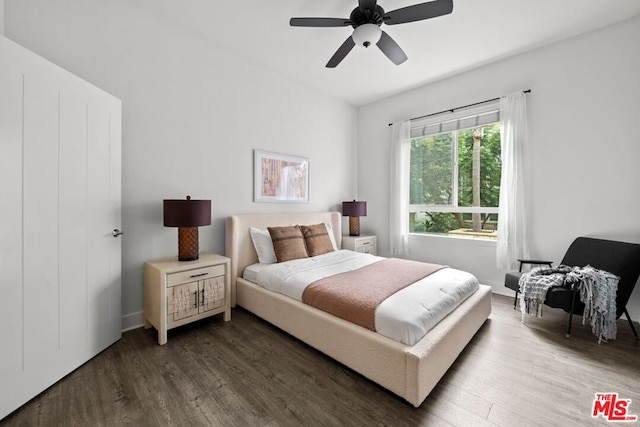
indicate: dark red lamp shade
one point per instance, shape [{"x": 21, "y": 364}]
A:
[
  {"x": 354, "y": 210},
  {"x": 187, "y": 215}
]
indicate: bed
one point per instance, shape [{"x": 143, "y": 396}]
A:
[{"x": 411, "y": 372}]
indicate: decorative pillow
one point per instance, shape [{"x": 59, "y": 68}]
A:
[
  {"x": 317, "y": 239},
  {"x": 264, "y": 247},
  {"x": 331, "y": 236},
  {"x": 288, "y": 243}
]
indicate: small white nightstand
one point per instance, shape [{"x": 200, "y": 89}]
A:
[
  {"x": 180, "y": 292},
  {"x": 365, "y": 243}
]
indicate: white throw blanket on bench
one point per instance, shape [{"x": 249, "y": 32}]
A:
[{"x": 597, "y": 289}]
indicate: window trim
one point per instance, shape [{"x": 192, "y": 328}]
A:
[
  {"x": 463, "y": 240},
  {"x": 452, "y": 209}
]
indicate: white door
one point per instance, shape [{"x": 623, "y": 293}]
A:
[{"x": 60, "y": 201}]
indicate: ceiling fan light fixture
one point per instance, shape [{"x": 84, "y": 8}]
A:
[{"x": 366, "y": 35}]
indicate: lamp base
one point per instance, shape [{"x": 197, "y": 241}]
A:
[
  {"x": 188, "y": 244},
  {"x": 354, "y": 226}
]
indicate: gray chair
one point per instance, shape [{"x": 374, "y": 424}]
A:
[{"x": 619, "y": 258}]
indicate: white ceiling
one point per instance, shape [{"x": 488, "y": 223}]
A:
[{"x": 476, "y": 33}]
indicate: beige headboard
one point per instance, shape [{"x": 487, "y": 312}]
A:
[{"x": 238, "y": 244}]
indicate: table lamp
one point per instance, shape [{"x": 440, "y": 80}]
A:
[
  {"x": 354, "y": 210},
  {"x": 187, "y": 215}
]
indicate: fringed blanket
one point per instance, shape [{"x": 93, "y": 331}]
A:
[
  {"x": 355, "y": 295},
  {"x": 597, "y": 290},
  {"x": 535, "y": 284}
]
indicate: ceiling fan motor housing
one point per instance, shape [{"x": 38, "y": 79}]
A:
[
  {"x": 367, "y": 16},
  {"x": 366, "y": 25}
]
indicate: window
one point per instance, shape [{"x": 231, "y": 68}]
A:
[{"x": 455, "y": 168}]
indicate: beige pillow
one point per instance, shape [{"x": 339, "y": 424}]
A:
[
  {"x": 317, "y": 239},
  {"x": 288, "y": 243}
]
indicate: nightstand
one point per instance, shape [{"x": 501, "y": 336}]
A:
[
  {"x": 180, "y": 292},
  {"x": 364, "y": 243}
]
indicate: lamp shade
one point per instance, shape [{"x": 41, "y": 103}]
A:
[
  {"x": 354, "y": 208},
  {"x": 187, "y": 212},
  {"x": 187, "y": 215}
]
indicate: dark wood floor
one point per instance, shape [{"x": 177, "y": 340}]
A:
[{"x": 248, "y": 373}]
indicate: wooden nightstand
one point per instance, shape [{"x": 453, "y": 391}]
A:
[
  {"x": 364, "y": 243},
  {"x": 180, "y": 292}
]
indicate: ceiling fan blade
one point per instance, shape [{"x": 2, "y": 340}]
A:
[
  {"x": 342, "y": 51},
  {"x": 390, "y": 48},
  {"x": 418, "y": 12},
  {"x": 367, "y": 4},
  {"x": 320, "y": 22}
]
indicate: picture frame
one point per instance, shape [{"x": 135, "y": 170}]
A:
[{"x": 280, "y": 178}]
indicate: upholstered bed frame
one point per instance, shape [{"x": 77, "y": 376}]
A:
[{"x": 409, "y": 372}]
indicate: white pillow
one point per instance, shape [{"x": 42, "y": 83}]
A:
[
  {"x": 331, "y": 236},
  {"x": 263, "y": 244}
]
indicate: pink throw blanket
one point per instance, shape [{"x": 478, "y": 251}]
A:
[{"x": 355, "y": 295}]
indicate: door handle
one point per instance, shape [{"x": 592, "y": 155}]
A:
[{"x": 116, "y": 232}]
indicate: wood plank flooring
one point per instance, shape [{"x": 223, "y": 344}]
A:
[{"x": 249, "y": 373}]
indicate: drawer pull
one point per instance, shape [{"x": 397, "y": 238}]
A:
[
  {"x": 198, "y": 275},
  {"x": 365, "y": 243}
]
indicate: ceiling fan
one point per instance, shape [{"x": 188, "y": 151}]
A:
[{"x": 366, "y": 20}]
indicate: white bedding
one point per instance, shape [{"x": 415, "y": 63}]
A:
[{"x": 406, "y": 316}]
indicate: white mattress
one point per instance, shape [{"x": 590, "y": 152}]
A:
[{"x": 406, "y": 316}]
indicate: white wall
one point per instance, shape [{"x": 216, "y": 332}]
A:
[
  {"x": 192, "y": 115},
  {"x": 2, "y": 17},
  {"x": 584, "y": 112}
]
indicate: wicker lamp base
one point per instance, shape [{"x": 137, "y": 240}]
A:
[
  {"x": 354, "y": 226},
  {"x": 188, "y": 243}
]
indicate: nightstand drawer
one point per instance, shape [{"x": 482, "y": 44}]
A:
[
  {"x": 195, "y": 274},
  {"x": 367, "y": 249},
  {"x": 364, "y": 244}
]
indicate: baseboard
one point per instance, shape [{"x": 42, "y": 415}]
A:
[
  {"x": 506, "y": 291},
  {"x": 497, "y": 287},
  {"x": 132, "y": 321}
]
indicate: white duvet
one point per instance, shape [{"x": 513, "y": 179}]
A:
[{"x": 406, "y": 316}]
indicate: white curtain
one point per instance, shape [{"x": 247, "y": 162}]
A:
[
  {"x": 399, "y": 188},
  {"x": 512, "y": 242}
]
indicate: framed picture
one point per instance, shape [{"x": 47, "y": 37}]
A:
[{"x": 280, "y": 178}]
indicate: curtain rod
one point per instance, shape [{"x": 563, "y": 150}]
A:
[{"x": 451, "y": 110}]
